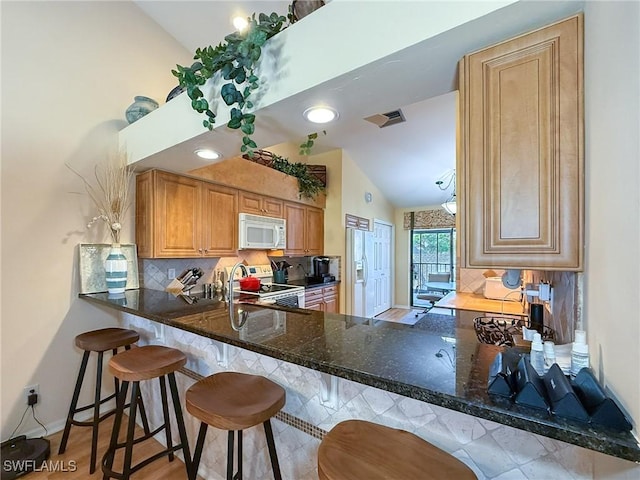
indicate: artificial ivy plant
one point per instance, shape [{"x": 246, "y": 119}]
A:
[
  {"x": 236, "y": 60},
  {"x": 308, "y": 185}
]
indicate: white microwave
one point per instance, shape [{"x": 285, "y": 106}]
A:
[{"x": 262, "y": 233}]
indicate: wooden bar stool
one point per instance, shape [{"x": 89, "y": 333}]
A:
[
  {"x": 98, "y": 341},
  {"x": 355, "y": 449},
  {"x": 234, "y": 402},
  {"x": 134, "y": 366}
]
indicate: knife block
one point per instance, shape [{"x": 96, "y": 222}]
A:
[{"x": 174, "y": 287}]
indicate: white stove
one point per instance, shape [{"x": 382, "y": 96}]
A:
[{"x": 280, "y": 294}]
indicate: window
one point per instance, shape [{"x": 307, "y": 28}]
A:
[{"x": 432, "y": 251}]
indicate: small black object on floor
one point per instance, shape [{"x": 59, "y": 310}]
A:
[{"x": 21, "y": 455}]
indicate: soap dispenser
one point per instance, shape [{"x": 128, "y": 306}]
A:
[
  {"x": 579, "y": 352},
  {"x": 536, "y": 357}
]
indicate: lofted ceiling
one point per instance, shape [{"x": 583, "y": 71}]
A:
[{"x": 403, "y": 160}]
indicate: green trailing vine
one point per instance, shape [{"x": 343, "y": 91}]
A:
[
  {"x": 308, "y": 185},
  {"x": 235, "y": 60}
]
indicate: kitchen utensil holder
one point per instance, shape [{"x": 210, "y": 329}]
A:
[
  {"x": 499, "y": 330},
  {"x": 602, "y": 410}
]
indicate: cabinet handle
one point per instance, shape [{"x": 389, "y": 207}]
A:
[{"x": 199, "y": 250}]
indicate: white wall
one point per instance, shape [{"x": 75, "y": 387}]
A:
[
  {"x": 611, "y": 294},
  {"x": 69, "y": 71}
]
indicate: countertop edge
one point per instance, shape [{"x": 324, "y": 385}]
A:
[{"x": 533, "y": 425}]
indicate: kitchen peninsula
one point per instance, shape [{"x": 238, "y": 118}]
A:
[{"x": 337, "y": 366}]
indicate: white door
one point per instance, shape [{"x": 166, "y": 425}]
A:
[{"x": 379, "y": 262}]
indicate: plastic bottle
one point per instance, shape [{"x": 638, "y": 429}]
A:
[
  {"x": 579, "y": 352},
  {"x": 549, "y": 355},
  {"x": 537, "y": 356}
]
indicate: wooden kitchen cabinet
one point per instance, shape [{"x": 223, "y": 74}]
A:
[
  {"x": 305, "y": 229},
  {"x": 323, "y": 299},
  {"x": 521, "y": 155},
  {"x": 257, "y": 204},
  {"x": 182, "y": 217}
]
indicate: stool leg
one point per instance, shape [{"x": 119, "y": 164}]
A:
[
  {"x": 107, "y": 460},
  {"x": 74, "y": 402},
  {"x": 272, "y": 450},
  {"x": 165, "y": 413},
  {"x": 197, "y": 454},
  {"x": 96, "y": 414},
  {"x": 230, "y": 455},
  {"x": 239, "y": 473},
  {"x": 131, "y": 432},
  {"x": 143, "y": 414},
  {"x": 180, "y": 421}
]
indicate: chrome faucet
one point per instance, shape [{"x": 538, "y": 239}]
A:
[{"x": 232, "y": 275}]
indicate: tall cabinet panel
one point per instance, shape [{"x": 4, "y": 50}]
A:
[{"x": 521, "y": 174}]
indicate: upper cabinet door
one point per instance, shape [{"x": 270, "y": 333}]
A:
[
  {"x": 521, "y": 165},
  {"x": 177, "y": 216},
  {"x": 220, "y": 220},
  {"x": 257, "y": 204}
]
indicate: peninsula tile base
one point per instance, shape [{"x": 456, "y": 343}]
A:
[{"x": 492, "y": 450}]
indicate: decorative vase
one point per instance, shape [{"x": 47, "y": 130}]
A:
[
  {"x": 115, "y": 267},
  {"x": 140, "y": 107}
]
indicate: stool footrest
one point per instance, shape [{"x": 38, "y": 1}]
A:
[
  {"x": 138, "y": 466},
  {"x": 92, "y": 405}
]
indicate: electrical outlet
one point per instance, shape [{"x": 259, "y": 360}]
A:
[
  {"x": 28, "y": 391},
  {"x": 171, "y": 273}
]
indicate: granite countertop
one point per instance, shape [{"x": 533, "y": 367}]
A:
[
  {"x": 309, "y": 286},
  {"x": 438, "y": 360}
]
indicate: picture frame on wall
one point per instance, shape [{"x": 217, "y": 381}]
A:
[{"x": 91, "y": 266}]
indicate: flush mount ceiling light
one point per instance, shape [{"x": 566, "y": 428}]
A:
[
  {"x": 320, "y": 114},
  {"x": 207, "y": 154}
]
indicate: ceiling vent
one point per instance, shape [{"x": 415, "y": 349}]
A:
[{"x": 386, "y": 119}]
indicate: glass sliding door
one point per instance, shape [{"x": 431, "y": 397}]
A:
[{"x": 432, "y": 251}]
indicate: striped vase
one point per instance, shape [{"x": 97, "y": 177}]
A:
[{"x": 115, "y": 267}]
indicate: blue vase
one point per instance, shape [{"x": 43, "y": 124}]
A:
[
  {"x": 115, "y": 268},
  {"x": 140, "y": 107}
]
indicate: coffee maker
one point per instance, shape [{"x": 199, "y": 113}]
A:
[{"x": 321, "y": 271}]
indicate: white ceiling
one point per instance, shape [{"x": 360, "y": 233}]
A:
[{"x": 404, "y": 160}]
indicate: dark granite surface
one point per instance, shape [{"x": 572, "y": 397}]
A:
[
  {"x": 309, "y": 286},
  {"x": 438, "y": 360}
]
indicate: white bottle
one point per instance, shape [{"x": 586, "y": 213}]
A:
[
  {"x": 579, "y": 352},
  {"x": 537, "y": 356},
  {"x": 549, "y": 355}
]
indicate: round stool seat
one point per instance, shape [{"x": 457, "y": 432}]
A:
[
  {"x": 106, "y": 339},
  {"x": 145, "y": 363},
  {"x": 355, "y": 449},
  {"x": 234, "y": 401}
]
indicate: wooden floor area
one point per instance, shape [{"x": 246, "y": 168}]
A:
[
  {"x": 397, "y": 314},
  {"x": 74, "y": 463}
]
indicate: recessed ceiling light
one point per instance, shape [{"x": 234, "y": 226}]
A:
[
  {"x": 207, "y": 154},
  {"x": 320, "y": 114},
  {"x": 239, "y": 23}
]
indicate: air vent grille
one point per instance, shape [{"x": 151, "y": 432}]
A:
[{"x": 386, "y": 119}]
